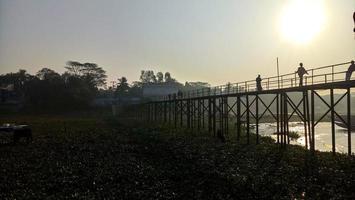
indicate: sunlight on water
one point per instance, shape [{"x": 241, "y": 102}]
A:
[{"x": 323, "y": 136}]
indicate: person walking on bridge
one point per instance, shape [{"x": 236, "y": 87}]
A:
[
  {"x": 301, "y": 71},
  {"x": 258, "y": 83},
  {"x": 351, "y": 69}
]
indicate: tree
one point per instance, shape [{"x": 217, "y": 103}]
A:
[
  {"x": 147, "y": 76},
  {"x": 74, "y": 68},
  {"x": 160, "y": 77},
  {"x": 89, "y": 72},
  {"x": 18, "y": 80},
  {"x": 47, "y": 74},
  {"x": 122, "y": 87},
  {"x": 136, "y": 89},
  {"x": 167, "y": 77},
  {"x": 94, "y": 74}
]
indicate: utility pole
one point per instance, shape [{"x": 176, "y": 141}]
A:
[{"x": 278, "y": 72}]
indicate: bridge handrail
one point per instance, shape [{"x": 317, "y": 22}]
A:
[{"x": 273, "y": 82}]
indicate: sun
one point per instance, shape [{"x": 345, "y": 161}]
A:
[{"x": 302, "y": 20}]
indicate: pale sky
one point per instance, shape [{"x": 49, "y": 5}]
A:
[{"x": 217, "y": 41}]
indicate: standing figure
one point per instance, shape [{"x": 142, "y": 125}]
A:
[
  {"x": 351, "y": 69},
  {"x": 258, "y": 83},
  {"x": 301, "y": 71}
]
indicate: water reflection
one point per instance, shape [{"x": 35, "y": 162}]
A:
[{"x": 323, "y": 136}]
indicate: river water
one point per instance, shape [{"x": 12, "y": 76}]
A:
[{"x": 323, "y": 135}]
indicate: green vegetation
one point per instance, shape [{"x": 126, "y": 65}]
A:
[
  {"x": 292, "y": 134},
  {"x": 97, "y": 158}
]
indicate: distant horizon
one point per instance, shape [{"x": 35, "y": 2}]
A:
[
  {"x": 109, "y": 82},
  {"x": 204, "y": 41}
]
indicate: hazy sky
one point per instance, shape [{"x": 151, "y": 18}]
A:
[{"x": 206, "y": 40}]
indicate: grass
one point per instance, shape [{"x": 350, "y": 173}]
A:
[{"x": 99, "y": 158}]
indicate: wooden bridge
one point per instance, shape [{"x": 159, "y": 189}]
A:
[{"x": 218, "y": 108}]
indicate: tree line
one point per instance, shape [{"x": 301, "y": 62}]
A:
[
  {"x": 147, "y": 77},
  {"x": 47, "y": 89},
  {"x": 78, "y": 86}
]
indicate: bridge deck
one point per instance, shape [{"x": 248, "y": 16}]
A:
[{"x": 321, "y": 86}]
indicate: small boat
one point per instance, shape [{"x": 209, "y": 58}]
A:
[{"x": 341, "y": 124}]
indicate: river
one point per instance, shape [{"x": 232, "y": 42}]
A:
[{"x": 323, "y": 135}]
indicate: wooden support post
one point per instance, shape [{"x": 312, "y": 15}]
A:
[
  {"x": 181, "y": 113},
  {"x": 226, "y": 115},
  {"x": 285, "y": 119},
  {"x": 155, "y": 112},
  {"x": 161, "y": 112},
  {"x": 209, "y": 115},
  {"x": 287, "y": 123},
  {"x": 165, "y": 111},
  {"x": 214, "y": 117},
  {"x": 198, "y": 114},
  {"x": 188, "y": 113},
  {"x": 257, "y": 117},
  {"x": 308, "y": 121},
  {"x": 332, "y": 119},
  {"x": 169, "y": 112},
  {"x": 312, "y": 121},
  {"x": 203, "y": 113},
  {"x": 349, "y": 120},
  {"x": 221, "y": 111},
  {"x": 193, "y": 116},
  {"x": 278, "y": 118},
  {"x": 304, "y": 93},
  {"x": 151, "y": 107},
  {"x": 248, "y": 122},
  {"x": 148, "y": 112},
  {"x": 238, "y": 119},
  {"x": 175, "y": 113},
  {"x": 282, "y": 116}
]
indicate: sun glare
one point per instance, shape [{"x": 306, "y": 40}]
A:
[{"x": 302, "y": 20}]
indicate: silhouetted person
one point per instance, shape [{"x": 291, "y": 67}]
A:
[
  {"x": 301, "y": 71},
  {"x": 179, "y": 94},
  {"x": 220, "y": 136},
  {"x": 258, "y": 83},
  {"x": 351, "y": 69}
]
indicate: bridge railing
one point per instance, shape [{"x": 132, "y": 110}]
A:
[{"x": 319, "y": 75}]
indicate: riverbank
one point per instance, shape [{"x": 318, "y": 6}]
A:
[{"x": 101, "y": 158}]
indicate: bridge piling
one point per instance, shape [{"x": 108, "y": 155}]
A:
[
  {"x": 238, "y": 119},
  {"x": 257, "y": 118},
  {"x": 332, "y": 119},
  {"x": 312, "y": 122},
  {"x": 248, "y": 118},
  {"x": 349, "y": 119}
]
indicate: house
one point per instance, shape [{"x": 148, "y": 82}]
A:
[{"x": 160, "y": 89}]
